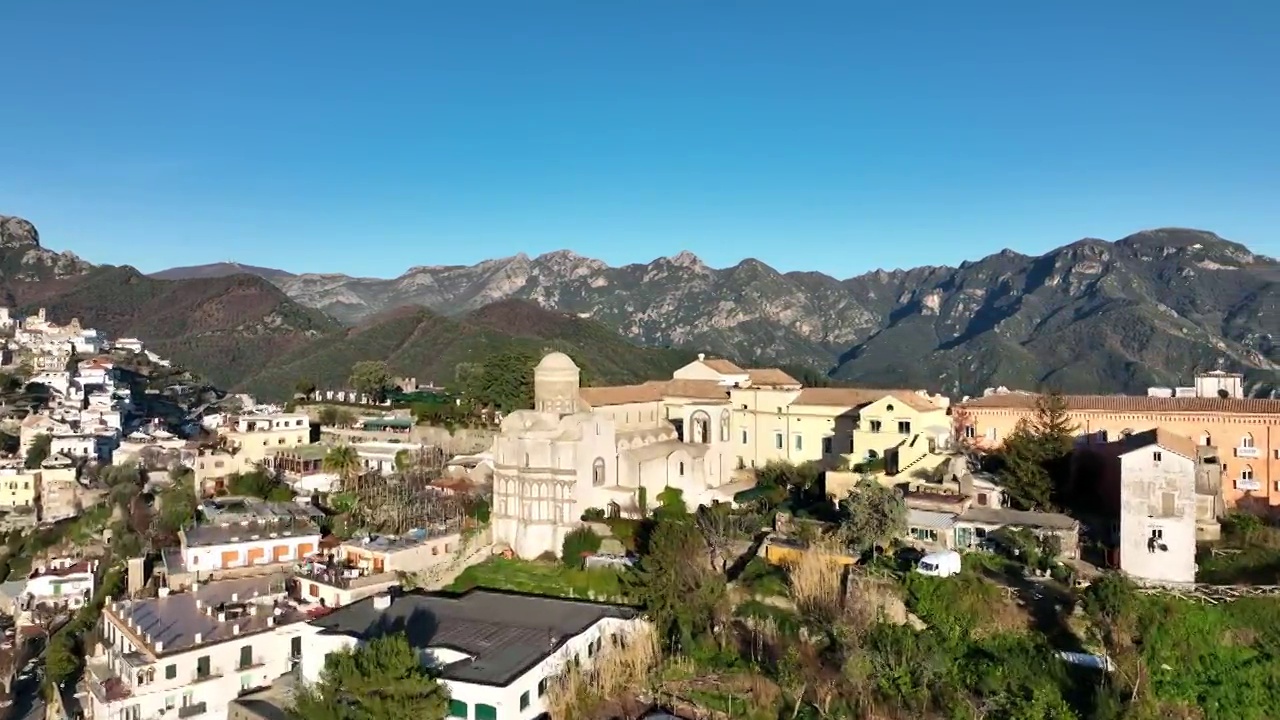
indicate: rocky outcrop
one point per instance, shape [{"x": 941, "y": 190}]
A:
[{"x": 22, "y": 257}]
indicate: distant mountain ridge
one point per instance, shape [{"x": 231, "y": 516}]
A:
[
  {"x": 1090, "y": 316},
  {"x": 222, "y": 269}
]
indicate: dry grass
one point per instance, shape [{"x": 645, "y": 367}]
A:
[
  {"x": 582, "y": 691},
  {"x": 816, "y": 581}
]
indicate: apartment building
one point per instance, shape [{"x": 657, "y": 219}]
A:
[
  {"x": 242, "y": 532},
  {"x": 495, "y": 652},
  {"x": 252, "y": 438},
  {"x": 1245, "y": 431},
  {"x": 189, "y": 654}
]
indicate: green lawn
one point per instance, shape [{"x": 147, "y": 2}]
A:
[{"x": 541, "y": 578}]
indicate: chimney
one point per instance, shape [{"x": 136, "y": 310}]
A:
[
  {"x": 195, "y": 585},
  {"x": 253, "y": 610},
  {"x": 164, "y": 592},
  {"x": 271, "y": 622},
  {"x": 235, "y": 597},
  {"x": 198, "y": 638},
  {"x": 159, "y": 646},
  {"x": 222, "y": 617},
  {"x": 235, "y": 629},
  {"x": 199, "y": 603},
  {"x": 381, "y": 601}
]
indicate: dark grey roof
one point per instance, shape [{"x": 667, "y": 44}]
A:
[{"x": 505, "y": 634}]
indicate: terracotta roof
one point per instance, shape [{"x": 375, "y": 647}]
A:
[
  {"x": 859, "y": 397},
  {"x": 1171, "y": 441},
  {"x": 1131, "y": 403},
  {"x": 722, "y": 366},
  {"x": 770, "y": 376},
  {"x": 653, "y": 391}
]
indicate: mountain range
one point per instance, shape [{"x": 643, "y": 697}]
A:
[{"x": 1090, "y": 316}]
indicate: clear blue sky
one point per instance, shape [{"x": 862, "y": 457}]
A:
[{"x": 838, "y": 136}]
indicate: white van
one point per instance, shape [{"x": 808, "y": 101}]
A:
[{"x": 939, "y": 564}]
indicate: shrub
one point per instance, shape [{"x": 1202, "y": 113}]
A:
[
  {"x": 593, "y": 515},
  {"x": 578, "y": 544}
]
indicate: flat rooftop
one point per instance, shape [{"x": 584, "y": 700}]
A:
[
  {"x": 240, "y": 519},
  {"x": 411, "y": 539},
  {"x": 505, "y": 634},
  {"x": 212, "y": 613}
]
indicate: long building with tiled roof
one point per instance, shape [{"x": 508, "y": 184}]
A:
[{"x": 1245, "y": 431}]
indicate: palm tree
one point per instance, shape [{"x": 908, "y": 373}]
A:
[{"x": 343, "y": 461}]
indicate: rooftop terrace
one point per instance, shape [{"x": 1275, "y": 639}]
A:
[{"x": 239, "y": 519}]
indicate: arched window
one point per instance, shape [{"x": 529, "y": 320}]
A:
[
  {"x": 597, "y": 472},
  {"x": 1206, "y": 439},
  {"x": 700, "y": 427},
  {"x": 1246, "y": 441},
  {"x": 724, "y": 426},
  {"x": 680, "y": 470}
]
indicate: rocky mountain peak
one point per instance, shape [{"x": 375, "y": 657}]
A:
[
  {"x": 686, "y": 259},
  {"x": 16, "y": 232}
]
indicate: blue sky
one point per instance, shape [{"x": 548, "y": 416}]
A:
[{"x": 838, "y": 136}]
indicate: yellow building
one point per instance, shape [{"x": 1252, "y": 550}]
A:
[
  {"x": 19, "y": 487},
  {"x": 252, "y": 439}
]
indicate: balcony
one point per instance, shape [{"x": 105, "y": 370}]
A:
[
  {"x": 1248, "y": 484},
  {"x": 1247, "y": 452},
  {"x": 211, "y": 674},
  {"x": 341, "y": 576},
  {"x": 192, "y": 710}
]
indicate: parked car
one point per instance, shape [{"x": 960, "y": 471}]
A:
[{"x": 939, "y": 564}]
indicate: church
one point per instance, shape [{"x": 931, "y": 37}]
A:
[
  {"x": 613, "y": 448},
  {"x": 702, "y": 432}
]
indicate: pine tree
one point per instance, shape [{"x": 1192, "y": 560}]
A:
[{"x": 383, "y": 680}]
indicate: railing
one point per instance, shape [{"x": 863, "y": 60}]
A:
[
  {"x": 193, "y": 709},
  {"x": 1247, "y": 452},
  {"x": 212, "y": 674}
]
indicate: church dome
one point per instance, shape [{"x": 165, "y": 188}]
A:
[{"x": 557, "y": 361}]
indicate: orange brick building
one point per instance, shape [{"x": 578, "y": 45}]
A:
[{"x": 1246, "y": 431}]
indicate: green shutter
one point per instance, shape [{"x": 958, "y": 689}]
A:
[
  {"x": 486, "y": 712},
  {"x": 457, "y": 709}
]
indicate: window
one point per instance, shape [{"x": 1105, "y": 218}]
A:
[
  {"x": 680, "y": 470},
  {"x": 486, "y": 712},
  {"x": 597, "y": 472},
  {"x": 1246, "y": 473},
  {"x": 926, "y": 534},
  {"x": 457, "y": 709},
  {"x": 744, "y": 437},
  {"x": 904, "y": 427},
  {"x": 983, "y": 499},
  {"x": 724, "y": 426},
  {"x": 524, "y": 700},
  {"x": 246, "y": 656},
  {"x": 1155, "y": 456},
  {"x": 295, "y": 647},
  {"x": 542, "y": 687},
  {"x": 1206, "y": 439},
  {"x": 970, "y": 432},
  {"x": 991, "y": 433},
  {"x": 799, "y": 442},
  {"x": 202, "y": 666},
  {"x": 875, "y": 426},
  {"x": 171, "y": 671},
  {"x": 777, "y": 440},
  {"x": 827, "y": 445},
  {"x": 1246, "y": 441},
  {"x": 246, "y": 682}
]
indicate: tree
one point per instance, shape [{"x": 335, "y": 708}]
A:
[
  {"x": 1052, "y": 426},
  {"x": 679, "y": 590},
  {"x": 259, "y": 483},
  {"x": 372, "y": 378},
  {"x": 382, "y": 680},
  {"x": 61, "y": 660},
  {"x": 39, "y": 450},
  {"x": 343, "y": 461},
  {"x": 305, "y": 387},
  {"x": 1024, "y": 471},
  {"x": 504, "y": 381},
  {"x": 725, "y": 531},
  {"x": 671, "y": 504},
  {"x": 872, "y": 515},
  {"x": 577, "y": 545}
]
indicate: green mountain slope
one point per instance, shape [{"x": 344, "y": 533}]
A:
[{"x": 416, "y": 342}]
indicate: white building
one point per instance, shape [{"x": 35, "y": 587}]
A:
[
  {"x": 380, "y": 457},
  {"x": 243, "y": 532},
  {"x": 495, "y": 652},
  {"x": 64, "y": 582},
  {"x": 1158, "y": 507},
  {"x": 189, "y": 654},
  {"x": 89, "y": 342},
  {"x": 614, "y": 448},
  {"x": 130, "y": 344}
]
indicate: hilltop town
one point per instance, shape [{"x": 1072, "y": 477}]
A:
[{"x": 171, "y": 547}]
